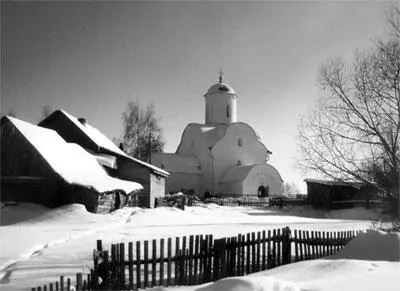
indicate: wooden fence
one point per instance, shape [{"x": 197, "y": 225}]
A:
[
  {"x": 238, "y": 201},
  {"x": 200, "y": 259}
]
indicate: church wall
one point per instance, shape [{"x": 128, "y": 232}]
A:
[
  {"x": 227, "y": 153},
  {"x": 177, "y": 182},
  {"x": 263, "y": 175},
  {"x": 194, "y": 143},
  {"x": 231, "y": 188},
  {"x": 220, "y": 108}
]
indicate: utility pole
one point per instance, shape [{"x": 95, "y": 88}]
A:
[{"x": 149, "y": 147}]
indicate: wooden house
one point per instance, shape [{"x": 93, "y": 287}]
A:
[
  {"x": 39, "y": 166},
  {"x": 117, "y": 163},
  {"x": 329, "y": 194}
]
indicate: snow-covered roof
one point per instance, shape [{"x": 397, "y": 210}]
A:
[
  {"x": 240, "y": 173},
  {"x": 94, "y": 134},
  {"x": 179, "y": 163},
  {"x": 74, "y": 164},
  {"x": 212, "y": 134},
  {"x": 102, "y": 141},
  {"x": 220, "y": 88},
  {"x": 334, "y": 183}
]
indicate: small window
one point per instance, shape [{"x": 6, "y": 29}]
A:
[
  {"x": 162, "y": 166},
  {"x": 240, "y": 142},
  {"x": 228, "y": 111},
  {"x": 238, "y": 162}
]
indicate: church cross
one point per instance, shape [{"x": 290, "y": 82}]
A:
[{"x": 220, "y": 75}]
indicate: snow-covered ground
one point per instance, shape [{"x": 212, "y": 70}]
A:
[
  {"x": 370, "y": 262},
  {"x": 37, "y": 244}
]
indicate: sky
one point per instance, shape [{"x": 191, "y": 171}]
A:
[{"x": 90, "y": 58}]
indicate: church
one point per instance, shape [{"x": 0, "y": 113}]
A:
[{"x": 223, "y": 156}]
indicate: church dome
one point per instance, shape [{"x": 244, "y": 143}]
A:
[{"x": 220, "y": 88}]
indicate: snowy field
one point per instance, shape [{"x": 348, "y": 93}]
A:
[{"x": 38, "y": 244}]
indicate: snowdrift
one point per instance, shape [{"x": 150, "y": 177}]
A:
[{"x": 372, "y": 246}]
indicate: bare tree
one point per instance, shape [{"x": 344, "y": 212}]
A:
[
  {"x": 353, "y": 133},
  {"x": 141, "y": 133},
  {"x": 394, "y": 21},
  {"x": 290, "y": 189}
]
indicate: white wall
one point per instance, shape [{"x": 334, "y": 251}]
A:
[
  {"x": 263, "y": 175},
  {"x": 217, "y": 105},
  {"x": 230, "y": 188},
  {"x": 227, "y": 152}
]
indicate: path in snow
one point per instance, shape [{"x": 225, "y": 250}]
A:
[{"x": 73, "y": 253}]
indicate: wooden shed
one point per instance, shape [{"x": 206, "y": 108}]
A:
[
  {"x": 117, "y": 163},
  {"x": 38, "y": 166},
  {"x": 329, "y": 194}
]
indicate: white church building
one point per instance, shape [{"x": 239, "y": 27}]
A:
[{"x": 221, "y": 156}]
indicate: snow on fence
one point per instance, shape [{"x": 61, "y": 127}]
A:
[{"x": 200, "y": 259}]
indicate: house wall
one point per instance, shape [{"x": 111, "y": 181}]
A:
[
  {"x": 30, "y": 189},
  {"x": 152, "y": 186},
  {"x": 26, "y": 175},
  {"x": 157, "y": 188},
  {"x": 79, "y": 194}
]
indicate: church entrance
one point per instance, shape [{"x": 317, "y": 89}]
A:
[{"x": 263, "y": 191}]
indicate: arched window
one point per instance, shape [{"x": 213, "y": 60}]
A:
[
  {"x": 228, "y": 111},
  {"x": 240, "y": 142}
]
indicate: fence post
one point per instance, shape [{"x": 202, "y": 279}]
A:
[
  {"x": 286, "y": 246},
  {"x": 219, "y": 259},
  {"x": 79, "y": 282}
]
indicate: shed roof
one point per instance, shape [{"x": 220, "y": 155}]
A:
[
  {"x": 334, "y": 183},
  {"x": 74, "y": 164}
]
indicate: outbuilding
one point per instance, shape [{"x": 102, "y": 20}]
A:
[
  {"x": 114, "y": 160},
  {"x": 332, "y": 194},
  {"x": 39, "y": 166}
]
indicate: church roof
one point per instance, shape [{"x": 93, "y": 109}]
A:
[
  {"x": 213, "y": 134},
  {"x": 220, "y": 88},
  {"x": 240, "y": 173},
  {"x": 237, "y": 174},
  {"x": 179, "y": 163}
]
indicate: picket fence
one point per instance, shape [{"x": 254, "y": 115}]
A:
[{"x": 200, "y": 259}]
